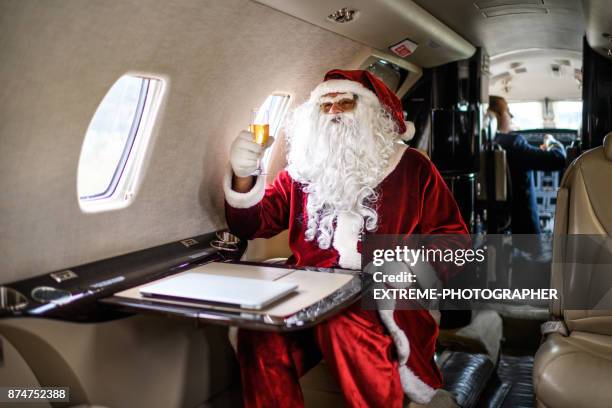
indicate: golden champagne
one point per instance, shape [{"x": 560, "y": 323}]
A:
[{"x": 260, "y": 133}]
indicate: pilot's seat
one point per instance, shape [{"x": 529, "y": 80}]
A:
[{"x": 573, "y": 367}]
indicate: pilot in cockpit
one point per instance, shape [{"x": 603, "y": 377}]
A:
[
  {"x": 523, "y": 158},
  {"x": 348, "y": 174}
]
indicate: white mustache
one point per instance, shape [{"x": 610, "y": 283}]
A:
[{"x": 345, "y": 118}]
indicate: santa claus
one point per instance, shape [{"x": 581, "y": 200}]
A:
[{"x": 348, "y": 174}]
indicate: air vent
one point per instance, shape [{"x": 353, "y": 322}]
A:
[
  {"x": 504, "y": 76},
  {"x": 564, "y": 62},
  {"x": 520, "y": 70},
  {"x": 483, "y": 4},
  {"x": 556, "y": 70},
  {"x": 511, "y": 11}
]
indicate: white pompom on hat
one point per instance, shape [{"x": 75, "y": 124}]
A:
[{"x": 410, "y": 131}]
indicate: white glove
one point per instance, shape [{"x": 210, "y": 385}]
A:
[{"x": 245, "y": 154}]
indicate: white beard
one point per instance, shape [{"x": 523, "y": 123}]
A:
[{"x": 340, "y": 160}]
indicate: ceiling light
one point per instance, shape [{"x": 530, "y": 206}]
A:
[{"x": 344, "y": 15}]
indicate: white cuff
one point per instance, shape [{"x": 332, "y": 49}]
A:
[
  {"x": 426, "y": 275},
  {"x": 243, "y": 200}
]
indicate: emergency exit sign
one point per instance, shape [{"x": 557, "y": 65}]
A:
[{"x": 404, "y": 49}]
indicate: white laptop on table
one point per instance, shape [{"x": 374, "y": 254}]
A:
[{"x": 243, "y": 292}]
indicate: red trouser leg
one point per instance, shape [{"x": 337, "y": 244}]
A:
[
  {"x": 271, "y": 365},
  {"x": 358, "y": 351},
  {"x": 354, "y": 345}
]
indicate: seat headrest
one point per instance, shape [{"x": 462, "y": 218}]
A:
[{"x": 607, "y": 146}]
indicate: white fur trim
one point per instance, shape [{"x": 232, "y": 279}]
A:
[
  {"x": 399, "y": 337},
  {"x": 346, "y": 237},
  {"x": 426, "y": 275},
  {"x": 415, "y": 388},
  {"x": 341, "y": 86},
  {"x": 346, "y": 234},
  {"x": 243, "y": 200},
  {"x": 232, "y": 336},
  {"x": 408, "y": 135}
]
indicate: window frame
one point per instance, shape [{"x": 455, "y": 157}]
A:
[
  {"x": 554, "y": 110},
  {"x": 127, "y": 149},
  {"x": 550, "y": 108},
  {"x": 125, "y": 181},
  {"x": 541, "y": 108}
]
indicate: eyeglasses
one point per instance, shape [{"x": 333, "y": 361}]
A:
[{"x": 345, "y": 105}]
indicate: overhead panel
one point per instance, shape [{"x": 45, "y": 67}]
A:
[
  {"x": 490, "y": 12},
  {"x": 537, "y": 74},
  {"x": 599, "y": 26},
  {"x": 484, "y": 4},
  {"x": 499, "y": 8},
  {"x": 383, "y": 24},
  {"x": 501, "y": 26}
]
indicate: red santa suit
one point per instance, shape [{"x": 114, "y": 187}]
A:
[{"x": 376, "y": 357}]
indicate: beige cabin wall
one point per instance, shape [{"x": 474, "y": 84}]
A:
[{"x": 58, "y": 60}]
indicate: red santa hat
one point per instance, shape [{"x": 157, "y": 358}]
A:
[{"x": 366, "y": 85}]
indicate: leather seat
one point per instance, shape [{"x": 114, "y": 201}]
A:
[
  {"x": 574, "y": 371},
  {"x": 573, "y": 367}
]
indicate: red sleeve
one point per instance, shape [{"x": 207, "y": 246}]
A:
[{"x": 265, "y": 218}]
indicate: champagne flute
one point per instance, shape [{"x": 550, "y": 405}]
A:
[{"x": 260, "y": 127}]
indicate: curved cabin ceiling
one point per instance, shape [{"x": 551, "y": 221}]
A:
[
  {"x": 381, "y": 24},
  {"x": 537, "y": 74},
  {"x": 535, "y": 45},
  {"x": 501, "y": 26}
]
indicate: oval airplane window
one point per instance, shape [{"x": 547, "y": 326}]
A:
[{"x": 115, "y": 143}]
